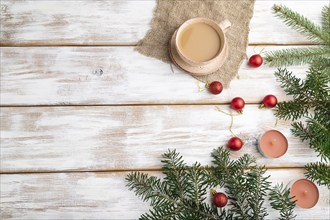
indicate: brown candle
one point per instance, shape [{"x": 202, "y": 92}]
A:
[
  {"x": 273, "y": 144},
  {"x": 305, "y": 192}
]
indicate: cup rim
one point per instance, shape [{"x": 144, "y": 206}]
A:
[{"x": 218, "y": 29}]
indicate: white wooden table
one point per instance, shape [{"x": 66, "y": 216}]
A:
[{"x": 80, "y": 108}]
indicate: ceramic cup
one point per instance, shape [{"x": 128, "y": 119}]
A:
[
  {"x": 203, "y": 67},
  {"x": 219, "y": 28}
]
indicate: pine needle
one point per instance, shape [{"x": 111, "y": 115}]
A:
[
  {"x": 326, "y": 18},
  {"x": 296, "y": 56},
  {"x": 302, "y": 24},
  {"x": 281, "y": 200},
  {"x": 319, "y": 172}
]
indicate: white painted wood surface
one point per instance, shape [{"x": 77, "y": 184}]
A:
[
  {"x": 122, "y": 22},
  {"x": 103, "y": 196},
  {"x": 131, "y": 137},
  {"x": 72, "y": 76},
  {"x": 38, "y": 141}
]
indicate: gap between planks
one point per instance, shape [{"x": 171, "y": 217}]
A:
[
  {"x": 124, "y": 105},
  {"x": 70, "y": 44},
  {"x": 116, "y": 170}
]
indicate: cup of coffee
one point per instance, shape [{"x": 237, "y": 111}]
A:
[{"x": 199, "y": 45}]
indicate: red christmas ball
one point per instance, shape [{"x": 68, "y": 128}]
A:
[
  {"x": 220, "y": 199},
  {"x": 255, "y": 60},
  {"x": 237, "y": 104},
  {"x": 235, "y": 143},
  {"x": 215, "y": 87},
  {"x": 269, "y": 101}
]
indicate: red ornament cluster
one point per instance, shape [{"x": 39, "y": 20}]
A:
[{"x": 237, "y": 104}]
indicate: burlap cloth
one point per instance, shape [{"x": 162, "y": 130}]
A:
[{"x": 170, "y": 14}]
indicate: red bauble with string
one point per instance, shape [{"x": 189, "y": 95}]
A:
[
  {"x": 269, "y": 101},
  {"x": 255, "y": 60},
  {"x": 215, "y": 87},
  {"x": 237, "y": 104},
  {"x": 235, "y": 143}
]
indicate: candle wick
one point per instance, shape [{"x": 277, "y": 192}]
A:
[{"x": 272, "y": 142}]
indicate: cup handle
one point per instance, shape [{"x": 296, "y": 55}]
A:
[{"x": 225, "y": 25}]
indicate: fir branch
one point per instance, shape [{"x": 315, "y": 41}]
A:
[
  {"x": 322, "y": 63},
  {"x": 259, "y": 186},
  {"x": 281, "y": 200},
  {"x": 245, "y": 183},
  {"x": 311, "y": 97},
  {"x": 311, "y": 94},
  {"x": 174, "y": 170},
  {"x": 198, "y": 184},
  {"x": 291, "y": 84},
  {"x": 316, "y": 83},
  {"x": 326, "y": 18},
  {"x": 180, "y": 195},
  {"x": 296, "y": 56},
  {"x": 310, "y": 105},
  {"x": 318, "y": 172},
  {"x": 291, "y": 110},
  {"x": 246, "y": 188},
  {"x": 149, "y": 189},
  {"x": 302, "y": 24},
  {"x": 317, "y": 134}
]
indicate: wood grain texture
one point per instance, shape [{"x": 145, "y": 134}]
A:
[
  {"x": 68, "y": 22},
  {"x": 117, "y": 75},
  {"x": 131, "y": 137},
  {"x": 103, "y": 196}
]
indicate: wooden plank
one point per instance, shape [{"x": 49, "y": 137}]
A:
[
  {"x": 102, "y": 196},
  {"x": 68, "y": 22},
  {"x": 41, "y": 139},
  {"x": 117, "y": 75}
]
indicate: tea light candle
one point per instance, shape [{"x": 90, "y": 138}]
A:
[
  {"x": 305, "y": 192},
  {"x": 273, "y": 144}
]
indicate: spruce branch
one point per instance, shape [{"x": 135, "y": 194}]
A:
[
  {"x": 302, "y": 24},
  {"x": 318, "y": 172},
  {"x": 290, "y": 83},
  {"x": 281, "y": 200},
  {"x": 326, "y": 18},
  {"x": 148, "y": 188},
  {"x": 296, "y": 56},
  {"x": 174, "y": 170},
  {"x": 316, "y": 133},
  {"x": 291, "y": 110},
  {"x": 310, "y": 94},
  {"x": 259, "y": 189},
  {"x": 244, "y": 182},
  {"x": 310, "y": 107},
  {"x": 245, "y": 189}
]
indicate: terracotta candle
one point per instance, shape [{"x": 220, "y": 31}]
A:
[
  {"x": 273, "y": 144},
  {"x": 305, "y": 192}
]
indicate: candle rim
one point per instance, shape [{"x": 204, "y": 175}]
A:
[{"x": 314, "y": 184}]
